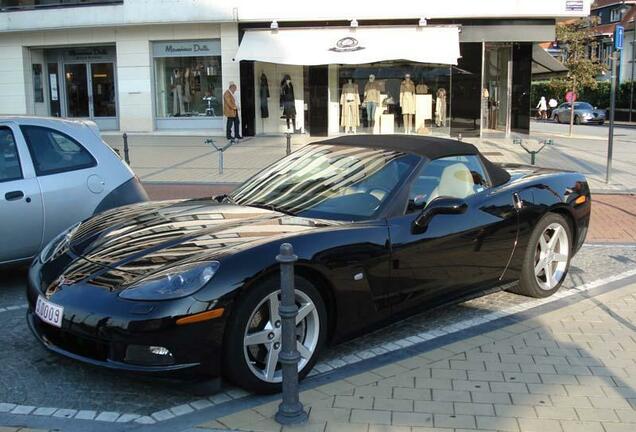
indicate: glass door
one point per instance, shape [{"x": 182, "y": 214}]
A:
[
  {"x": 103, "y": 90},
  {"x": 497, "y": 76},
  {"x": 77, "y": 97}
]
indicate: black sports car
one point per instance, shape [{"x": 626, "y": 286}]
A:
[{"x": 383, "y": 226}]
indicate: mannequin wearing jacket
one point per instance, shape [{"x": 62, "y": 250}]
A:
[
  {"x": 350, "y": 102},
  {"x": 264, "y": 95},
  {"x": 178, "y": 105},
  {"x": 372, "y": 98},
  {"x": 407, "y": 102},
  {"x": 440, "y": 108},
  {"x": 288, "y": 101}
]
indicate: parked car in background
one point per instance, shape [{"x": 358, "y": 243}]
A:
[
  {"x": 583, "y": 113},
  {"x": 53, "y": 174}
]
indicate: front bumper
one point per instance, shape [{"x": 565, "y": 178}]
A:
[
  {"x": 98, "y": 328},
  {"x": 591, "y": 120}
]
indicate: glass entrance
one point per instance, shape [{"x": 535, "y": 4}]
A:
[
  {"x": 497, "y": 82},
  {"x": 90, "y": 92}
]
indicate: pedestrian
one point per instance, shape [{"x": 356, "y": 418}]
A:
[
  {"x": 552, "y": 103},
  {"x": 231, "y": 111},
  {"x": 543, "y": 108}
]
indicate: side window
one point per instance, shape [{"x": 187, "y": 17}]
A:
[
  {"x": 455, "y": 176},
  {"x": 54, "y": 152},
  {"x": 9, "y": 160}
]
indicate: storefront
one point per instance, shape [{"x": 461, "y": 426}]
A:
[
  {"x": 188, "y": 84},
  {"x": 77, "y": 82},
  {"x": 416, "y": 79}
]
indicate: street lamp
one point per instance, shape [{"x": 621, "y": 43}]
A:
[{"x": 631, "y": 83}]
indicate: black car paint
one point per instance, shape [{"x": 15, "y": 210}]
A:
[{"x": 456, "y": 257}]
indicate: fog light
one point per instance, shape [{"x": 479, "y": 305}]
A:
[{"x": 148, "y": 355}]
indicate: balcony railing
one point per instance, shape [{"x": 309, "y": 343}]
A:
[{"x": 21, "y": 5}]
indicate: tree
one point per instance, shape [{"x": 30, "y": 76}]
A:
[{"x": 580, "y": 57}]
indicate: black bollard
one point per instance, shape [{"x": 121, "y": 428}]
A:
[
  {"x": 126, "y": 150},
  {"x": 290, "y": 410},
  {"x": 288, "y": 137}
]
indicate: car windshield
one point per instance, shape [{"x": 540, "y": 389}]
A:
[
  {"x": 328, "y": 182},
  {"x": 582, "y": 106}
]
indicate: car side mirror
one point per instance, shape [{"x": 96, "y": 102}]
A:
[{"x": 440, "y": 205}]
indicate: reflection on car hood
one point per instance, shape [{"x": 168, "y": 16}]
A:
[{"x": 142, "y": 238}]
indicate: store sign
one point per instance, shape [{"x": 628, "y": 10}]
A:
[
  {"x": 89, "y": 54},
  {"x": 200, "y": 48},
  {"x": 574, "y": 5},
  {"x": 347, "y": 44}
]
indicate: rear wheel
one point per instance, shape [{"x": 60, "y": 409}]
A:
[
  {"x": 547, "y": 258},
  {"x": 577, "y": 120},
  {"x": 253, "y": 336}
]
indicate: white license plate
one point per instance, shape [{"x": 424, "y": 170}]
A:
[{"x": 49, "y": 312}]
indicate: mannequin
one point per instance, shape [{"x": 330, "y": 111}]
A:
[
  {"x": 288, "y": 101},
  {"x": 350, "y": 101},
  {"x": 407, "y": 102},
  {"x": 372, "y": 98},
  {"x": 264, "y": 95},
  {"x": 178, "y": 107},
  {"x": 187, "y": 96},
  {"x": 440, "y": 108}
]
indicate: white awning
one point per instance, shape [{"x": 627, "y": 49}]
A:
[
  {"x": 543, "y": 62},
  {"x": 338, "y": 45}
]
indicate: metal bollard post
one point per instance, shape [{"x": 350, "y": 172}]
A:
[
  {"x": 126, "y": 150},
  {"x": 290, "y": 410},
  {"x": 220, "y": 161},
  {"x": 288, "y": 137},
  {"x": 459, "y": 137}
]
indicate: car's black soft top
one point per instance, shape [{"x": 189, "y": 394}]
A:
[{"x": 425, "y": 146}]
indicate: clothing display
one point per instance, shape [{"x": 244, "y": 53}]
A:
[
  {"x": 372, "y": 90},
  {"x": 264, "y": 95},
  {"x": 407, "y": 96},
  {"x": 350, "y": 102},
  {"x": 187, "y": 95},
  {"x": 440, "y": 108},
  {"x": 421, "y": 89},
  {"x": 288, "y": 101}
]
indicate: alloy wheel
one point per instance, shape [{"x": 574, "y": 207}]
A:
[
  {"x": 551, "y": 256},
  {"x": 263, "y": 336}
]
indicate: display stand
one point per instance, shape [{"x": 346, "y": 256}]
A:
[
  {"x": 423, "y": 110},
  {"x": 387, "y": 124}
]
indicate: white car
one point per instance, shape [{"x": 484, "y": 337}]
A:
[{"x": 54, "y": 173}]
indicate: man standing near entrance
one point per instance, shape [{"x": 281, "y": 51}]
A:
[{"x": 231, "y": 111}]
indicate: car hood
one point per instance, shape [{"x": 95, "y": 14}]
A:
[{"x": 141, "y": 238}]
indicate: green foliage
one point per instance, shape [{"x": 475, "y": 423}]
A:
[{"x": 579, "y": 39}]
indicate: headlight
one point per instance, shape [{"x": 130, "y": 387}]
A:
[
  {"x": 57, "y": 244},
  {"x": 173, "y": 283}
]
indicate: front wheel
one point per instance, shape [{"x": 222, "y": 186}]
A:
[
  {"x": 547, "y": 258},
  {"x": 556, "y": 118},
  {"x": 253, "y": 335},
  {"x": 577, "y": 120}
]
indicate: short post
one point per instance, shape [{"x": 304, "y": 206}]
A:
[
  {"x": 126, "y": 149},
  {"x": 532, "y": 153},
  {"x": 459, "y": 137},
  {"x": 220, "y": 161},
  {"x": 290, "y": 410},
  {"x": 288, "y": 138}
]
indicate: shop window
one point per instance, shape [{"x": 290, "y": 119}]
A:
[
  {"x": 188, "y": 81},
  {"x": 394, "y": 97},
  {"x": 38, "y": 89}
]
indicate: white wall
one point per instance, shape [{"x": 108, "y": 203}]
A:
[{"x": 12, "y": 78}]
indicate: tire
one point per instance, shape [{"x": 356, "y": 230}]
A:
[
  {"x": 533, "y": 282},
  {"x": 602, "y": 122},
  {"x": 577, "y": 120},
  {"x": 246, "y": 365},
  {"x": 556, "y": 118}
]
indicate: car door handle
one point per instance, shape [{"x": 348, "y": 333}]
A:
[{"x": 14, "y": 195}]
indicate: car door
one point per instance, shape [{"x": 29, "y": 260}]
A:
[
  {"x": 65, "y": 169},
  {"x": 564, "y": 112},
  {"x": 456, "y": 254},
  {"x": 21, "y": 210}
]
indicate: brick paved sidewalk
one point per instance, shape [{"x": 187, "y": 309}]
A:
[{"x": 573, "y": 369}]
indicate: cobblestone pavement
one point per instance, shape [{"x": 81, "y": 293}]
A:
[
  {"x": 570, "y": 370},
  {"x": 37, "y": 382}
]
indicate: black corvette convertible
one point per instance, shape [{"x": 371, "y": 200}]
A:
[{"x": 384, "y": 226}]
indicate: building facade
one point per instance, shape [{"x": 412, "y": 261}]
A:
[{"x": 443, "y": 68}]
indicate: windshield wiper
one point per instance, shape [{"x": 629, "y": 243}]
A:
[{"x": 271, "y": 207}]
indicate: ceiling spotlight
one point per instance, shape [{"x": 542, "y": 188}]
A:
[
  {"x": 423, "y": 22},
  {"x": 354, "y": 23},
  {"x": 274, "y": 25}
]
